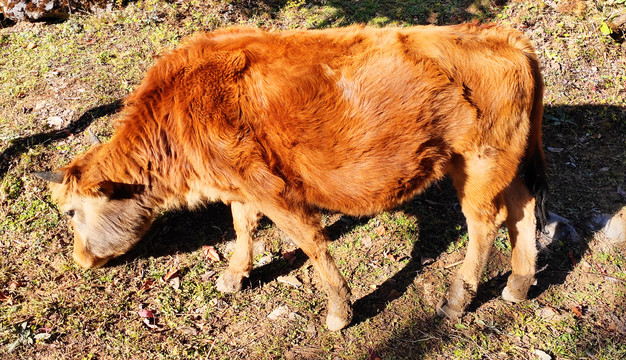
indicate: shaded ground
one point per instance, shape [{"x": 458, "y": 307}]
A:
[{"x": 57, "y": 80}]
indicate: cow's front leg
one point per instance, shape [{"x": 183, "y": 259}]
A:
[
  {"x": 304, "y": 226},
  {"x": 245, "y": 221}
]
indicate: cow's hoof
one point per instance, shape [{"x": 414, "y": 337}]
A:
[
  {"x": 517, "y": 287},
  {"x": 339, "y": 316},
  {"x": 509, "y": 295},
  {"x": 228, "y": 283},
  {"x": 444, "y": 309}
]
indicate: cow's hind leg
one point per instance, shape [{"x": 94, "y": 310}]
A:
[
  {"x": 484, "y": 209},
  {"x": 304, "y": 226},
  {"x": 245, "y": 221},
  {"x": 521, "y": 223}
]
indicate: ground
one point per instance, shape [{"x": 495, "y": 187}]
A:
[{"x": 59, "y": 79}]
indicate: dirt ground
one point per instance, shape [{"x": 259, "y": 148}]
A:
[{"x": 59, "y": 79}]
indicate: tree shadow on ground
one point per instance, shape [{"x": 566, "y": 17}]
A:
[
  {"x": 423, "y": 12},
  {"x": 379, "y": 13},
  {"x": 21, "y": 145}
]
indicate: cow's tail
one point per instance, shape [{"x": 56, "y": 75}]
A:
[{"x": 533, "y": 168}]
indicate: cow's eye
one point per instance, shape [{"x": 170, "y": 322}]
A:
[{"x": 70, "y": 213}]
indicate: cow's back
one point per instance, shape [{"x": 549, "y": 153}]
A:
[{"x": 357, "y": 119}]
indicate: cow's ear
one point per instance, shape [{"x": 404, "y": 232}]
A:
[
  {"x": 239, "y": 61},
  {"x": 51, "y": 176},
  {"x": 119, "y": 191}
]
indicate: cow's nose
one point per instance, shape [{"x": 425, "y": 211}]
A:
[
  {"x": 88, "y": 261},
  {"x": 84, "y": 258}
]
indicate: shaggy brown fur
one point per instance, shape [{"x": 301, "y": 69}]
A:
[{"x": 354, "y": 120}]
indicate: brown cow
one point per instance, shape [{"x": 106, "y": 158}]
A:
[{"x": 354, "y": 120}]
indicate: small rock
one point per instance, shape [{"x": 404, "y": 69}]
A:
[
  {"x": 311, "y": 329},
  {"x": 543, "y": 355},
  {"x": 548, "y": 313},
  {"x": 612, "y": 228},
  {"x": 558, "y": 229},
  {"x": 289, "y": 280},
  {"x": 279, "y": 312},
  {"x": 264, "y": 260},
  {"x": 55, "y": 122},
  {"x": 258, "y": 247},
  {"x": 175, "y": 283},
  {"x": 207, "y": 275},
  {"x": 294, "y": 316},
  {"x": 366, "y": 241},
  {"x": 188, "y": 330}
]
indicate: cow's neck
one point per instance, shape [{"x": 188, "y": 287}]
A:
[{"x": 150, "y": 158}]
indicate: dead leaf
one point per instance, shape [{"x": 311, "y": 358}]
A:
[
  {"x": 579, "y": 310},
  {"x": 147, "y": 285},
  {"x": 31, "y": 45},
  {"x": 173, "y": 278},
  {"x": 207, "y": 275},
  {"x": 189, "y": 330},
  {"x": 15, "y": 284},
  {"x": 210, "y": 253},
  {"x": 380, "y": 231},
  {"x": 367, "y": 241},
  {"x": 294, "y": 316},
  {"x": 55, "y": 121},
  {"x": 391, "y": 257},
  {"x": 145, "y": 313},
  {"x": 4, "y": 297},
  {"x": 171, "y": 274},
  {"x": 152, "y": 324},
  {"x": 149, "y": 319},
  {"x": 278, "y": 312},
  {"x": 548, "y": 313},
  {"x": 373, "y": 355}
]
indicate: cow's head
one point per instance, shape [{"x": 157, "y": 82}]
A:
[{"x": 108, "y": 217}]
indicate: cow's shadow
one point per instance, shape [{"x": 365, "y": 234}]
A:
[{"x": 183, "y": 231}]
